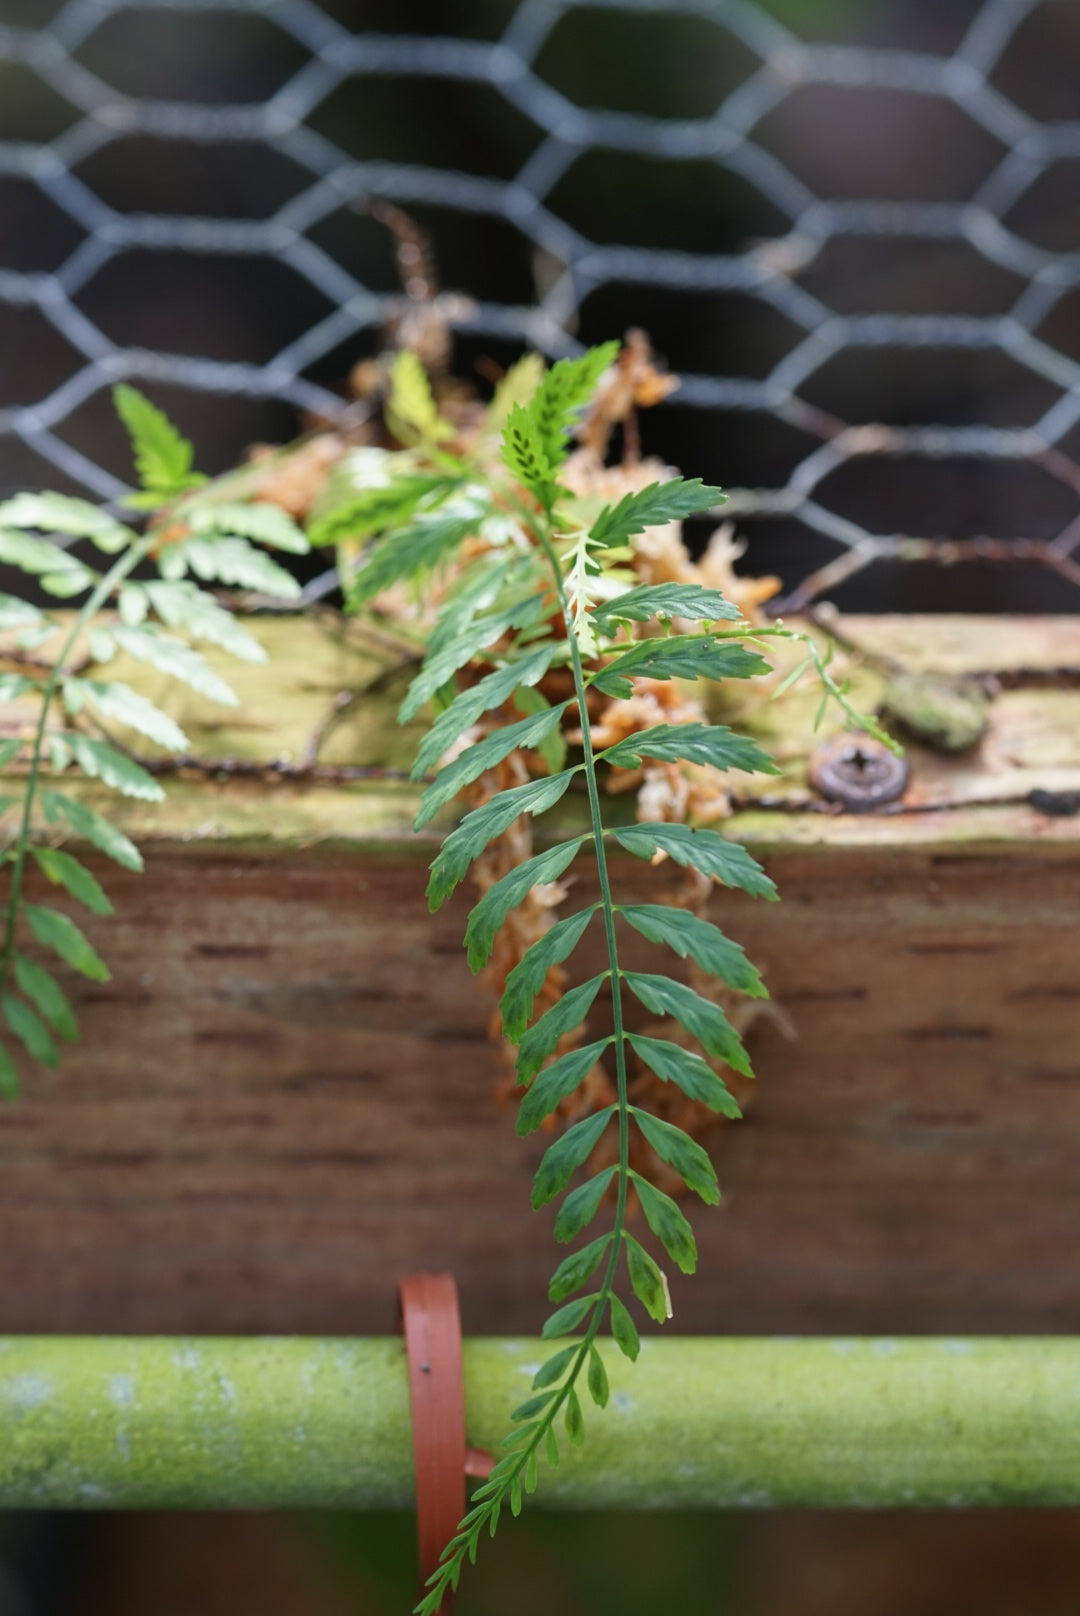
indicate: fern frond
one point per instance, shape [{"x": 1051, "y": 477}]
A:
[
  {"x": 34, "y": 1003},
  {"x": 539, "y": 600}
]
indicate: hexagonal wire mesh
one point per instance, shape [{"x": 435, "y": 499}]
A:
[{"x": 882, "y": 235}]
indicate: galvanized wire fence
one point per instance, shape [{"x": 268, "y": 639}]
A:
[{"x": 78, "y": 346}]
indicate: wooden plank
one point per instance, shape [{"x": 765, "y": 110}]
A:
[{"x": 283, "y": 1099}]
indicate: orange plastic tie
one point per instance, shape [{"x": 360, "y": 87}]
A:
[{"x": 431, "y": 1321}]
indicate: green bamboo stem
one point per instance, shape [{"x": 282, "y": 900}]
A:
[{"x": 152, "y": 1422}]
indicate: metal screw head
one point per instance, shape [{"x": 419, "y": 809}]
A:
[{"x": 858, "y": 772}]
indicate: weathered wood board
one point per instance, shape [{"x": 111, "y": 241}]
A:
[{"x": 283, "y": 1099}]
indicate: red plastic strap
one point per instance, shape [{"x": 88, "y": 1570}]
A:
[{"x": 432, "y": 1325}]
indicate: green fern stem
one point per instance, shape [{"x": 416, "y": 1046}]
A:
[
  {"x": 105, "y": 587},
  {"x": 608, "y": 908}
]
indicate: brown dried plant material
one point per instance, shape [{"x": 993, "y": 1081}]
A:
[
  {"x": 294, "y": 478},
  {"x": 634, "y": 382}
]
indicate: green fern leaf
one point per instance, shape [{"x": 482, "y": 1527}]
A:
[
  {"x": 582, "y": 1205},
  {"x": 690, "y": 658},
  {"x": 624, "y": 1330},
  {"x": 43, "y": 990},
  {"x": 71, "y": 581},
  {"x": 562, "y": 394},
  {"x": 678, "y": 1150},
  {"x": 699, "y": 940},
  {"x": 14, "y": 685},
  {"x": 577, "y": 1269},
  {"x": 542, "y": 1038},
  {"x": 713, "y": 744},
  {"x": 236, "y": 563},
  {"x": 599, "y": 1389},
  {"x": 566, "y": 1318},
  {"x": 555, "y": 1082},
  {"x": 170, "y": 655},
  {"x": 258, "y": 519},
  {"x": 54, "y": 930},
  {"x": 185, "y": 606},
  {"x": 469, "y": 765},
  {"x": 490, "y": 583},
  {"x": 125, "y": 706},
  {"x": 163, "y": 458},
  {"x": 30, "y": 1031},
  {"x": 93, "y": 828},
  {"x": 531, "y": 1406},
  {"x": 444, "y": 659},
  {"x": 516, "y": 387},
  {"x": 554, "y": 1369},
  {"x": 530, "y": 973},
  {"x": 696, "y": 1078},
  {"x": 60, "y": 513},
  {"x": 16, "y": 613},
  {"x": 704, "y": 850},
  {"x": 648, "y": 601},
  {"x": 486, "y": 696},
  {"x": 411, "y": 550},
  {"x": 650, "y": 1286},
  {"x": 654, "y": 506},
  {"x": 62, "y": 869},
  {"x": 357, "y": 513},
  {"x": 667, "y": 1223},
  {"x": 41, "y": 557},
  {"x": 102, "y": 762},
  {"x": 705, "y": 1020},
  {"x": 477, "y": 829},
  {"x": 506, "y": 894},
  {"x": 566, "y": 1155},
  {"x": 523, "y": 453},
  {"x": 412, "y": 412},
  {"x": 553, "y": 749}
]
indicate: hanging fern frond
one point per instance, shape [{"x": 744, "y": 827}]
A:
[{"x": 540, "y": 625}]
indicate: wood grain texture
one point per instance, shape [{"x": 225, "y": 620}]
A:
[{"x": 283, "y": 1100}]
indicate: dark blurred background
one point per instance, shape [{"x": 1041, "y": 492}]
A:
[
  {"x": 881, "y": 233},
  {"x": 882, "y": 229}
]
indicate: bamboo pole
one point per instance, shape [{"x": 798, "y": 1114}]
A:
[{"x": 141, "y": 1422}]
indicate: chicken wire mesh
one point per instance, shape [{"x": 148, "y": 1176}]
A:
[{"x": 853, "y": 228}]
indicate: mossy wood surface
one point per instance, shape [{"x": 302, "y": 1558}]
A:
[{"x": 283, "y": 1098}]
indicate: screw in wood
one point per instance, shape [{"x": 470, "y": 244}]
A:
[{"x": 858, "y": 773}]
